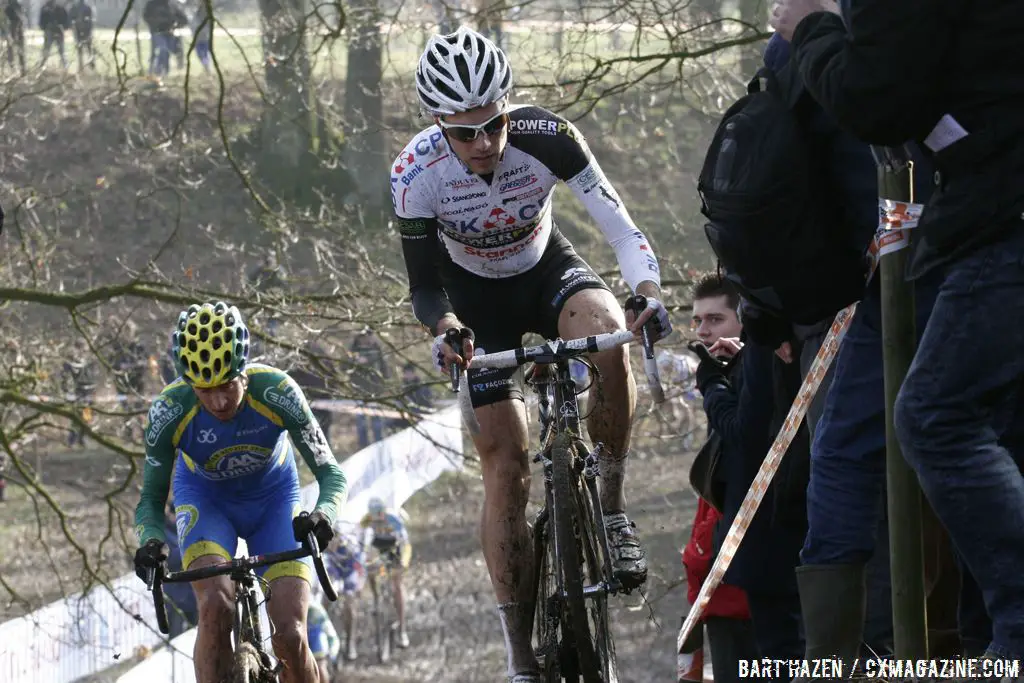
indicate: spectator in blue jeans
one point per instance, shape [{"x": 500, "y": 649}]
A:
[{"x": 957, "y": 87}]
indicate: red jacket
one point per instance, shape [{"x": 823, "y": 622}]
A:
[{"x": 727, "y": 601}]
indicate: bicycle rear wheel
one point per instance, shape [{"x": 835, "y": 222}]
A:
[
  {"x": 565, "y": 484},
  {"x": 382, "y": 619}
]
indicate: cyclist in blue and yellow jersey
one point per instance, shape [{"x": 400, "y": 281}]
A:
[
  {"x": 323, "y": 639},
  {"x": 345, "y": 561},
  {"x": 228, "y": 429},
  {"x": 385, "y": 531}
]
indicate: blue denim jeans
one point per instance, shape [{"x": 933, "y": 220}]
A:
[
  {"x": 362, "y": 429},
  {"x": 961, "y": 395},
  {"x": 846, "y": 494}
]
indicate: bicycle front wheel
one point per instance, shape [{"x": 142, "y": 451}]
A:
[
  {"x": 246, "y": 666},
  {"x": 565, "y": 484}
]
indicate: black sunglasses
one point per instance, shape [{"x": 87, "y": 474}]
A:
[{"x": 469, "y": 133}]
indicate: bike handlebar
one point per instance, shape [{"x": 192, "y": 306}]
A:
[{"x": 155, "y": 578}]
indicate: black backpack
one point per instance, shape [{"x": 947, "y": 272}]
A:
[{"x": 774, "y": 214}]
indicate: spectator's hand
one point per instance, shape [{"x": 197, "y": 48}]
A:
[
  {"x": 787, "y": 14},
  {"x": 315, "y": 522},
  {"x": 711, "y": 372},
  {"x": 785, "y": 352},
  {"x": 149, "y": 556},
  {"x": 726, "y": 346}
]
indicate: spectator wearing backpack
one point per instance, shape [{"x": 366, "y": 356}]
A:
[
  {"x": 746, "y": 400},
  {"x": 961, "y": 98}
]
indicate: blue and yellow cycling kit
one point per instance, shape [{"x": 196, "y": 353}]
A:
[
  {"x": 387, "y": 533},
  {"x": 236, "y": 478},
  {"x": 323, "y": 638}
]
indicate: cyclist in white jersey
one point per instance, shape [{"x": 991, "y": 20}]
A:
[{"x": 472, "y": 197}]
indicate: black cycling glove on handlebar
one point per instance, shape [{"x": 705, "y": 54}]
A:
[
  {"x": 315, "y": 522},
  {"x": 149, "y": 556}
]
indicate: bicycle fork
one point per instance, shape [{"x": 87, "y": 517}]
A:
[{"x": 590, "y": 474}]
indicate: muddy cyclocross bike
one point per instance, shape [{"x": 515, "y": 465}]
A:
[
  {"x": 573, "y": 575},
  {"x": 251, "y": 661}
]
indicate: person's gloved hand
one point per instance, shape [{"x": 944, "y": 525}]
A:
[
  {"x": 442, "y": 352},
  {"x": 315, "y": 522},
  {"x": 763, "y": 328},
  {"x": 711, "y": 371},
  {"x": 152, "y": 553}
]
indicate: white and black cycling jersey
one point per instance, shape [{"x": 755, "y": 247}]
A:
[{"x": 499, "y": 227}]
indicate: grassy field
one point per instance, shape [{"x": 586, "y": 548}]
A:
[{"x": 238, "y": 50}]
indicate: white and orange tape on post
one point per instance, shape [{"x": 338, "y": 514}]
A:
[{"x": 822, "y": 362}]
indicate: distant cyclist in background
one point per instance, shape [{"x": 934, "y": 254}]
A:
[
  {"x": 323, "y": 639},
  {"x": 228, "y": 430},
  {"x": 385, "y": 531},
  {"x": 346, "y": 566}
]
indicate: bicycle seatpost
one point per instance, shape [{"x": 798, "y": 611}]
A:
[{"x": 453, "y": 339}]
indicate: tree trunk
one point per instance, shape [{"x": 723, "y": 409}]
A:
[
  {"x": 367, "y": 153},
  {"x": 290, "y": 123}
]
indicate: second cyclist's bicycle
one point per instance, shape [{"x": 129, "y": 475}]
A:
[{"x": 251, "y": 662}]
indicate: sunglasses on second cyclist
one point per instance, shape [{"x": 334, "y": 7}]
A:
[{"x": 469, "y": 133}]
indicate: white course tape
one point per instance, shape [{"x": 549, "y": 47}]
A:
[{"x": 826, "y": 354}]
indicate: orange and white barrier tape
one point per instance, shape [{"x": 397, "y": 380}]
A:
[{"x": 826, "y": 354}]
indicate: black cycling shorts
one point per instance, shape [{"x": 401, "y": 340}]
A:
[{"x": 501, "y": 310}]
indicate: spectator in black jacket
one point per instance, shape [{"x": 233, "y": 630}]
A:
[
  {"x": 746, "y": 404},
  {"x": 14, "y": 12},
  {"x": 948, "y": 74},
  {"x": 82, "y": 14},
  {"x": 53, "y": 21}
]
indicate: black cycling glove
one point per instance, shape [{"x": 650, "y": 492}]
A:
[
  {"x": 315, "y": 522},
  {"x": 711, "y": 371},
  {"x": 150, "y": 556}
]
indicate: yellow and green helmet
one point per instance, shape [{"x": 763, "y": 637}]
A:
[{"x": 210, "y": 344}]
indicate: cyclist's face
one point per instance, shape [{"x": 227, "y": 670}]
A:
[
  {"x": 483, "y": 153},
  {"x": 713, "y": 319},
  {"x": 223, "y": 401}
]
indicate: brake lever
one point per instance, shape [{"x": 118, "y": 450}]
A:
[{"x": 452, "y": 339}]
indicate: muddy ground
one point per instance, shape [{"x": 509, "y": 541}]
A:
[{"x": 453, "y": 626}]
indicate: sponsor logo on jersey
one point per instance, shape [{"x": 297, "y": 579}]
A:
[
  {"x": 573, "y": 272},
  {"x": 236, "y": 461},
  {"x": 571, "y": 280},
  {"x": 408, "y": 177},
  {"x": 504, "y": 252},
  {"x": 462, "y": 183},
  {"x": 513, "y": 172},
  {"x": 285, "y": 397},
  {"x": 207, "y": 436},
  {"x": 428, "y": 143},
  {"x": 314, "y": 438},
  {"x": 163, "y": 412},
  {"x": 587, "y": 179},
  {"x": 498, "y": 218},
  {"x": 518, "y": 183},
  {"x": 546, "y": 127},
  {"x": 254, "y": 430},
  {"x": 185, "y": 518},
  {"x": 463, "y": 197},
  {"x": 524, "y": 195},
  {"x": 466, "y": 209},
  {"x": 405, "y": 160}
]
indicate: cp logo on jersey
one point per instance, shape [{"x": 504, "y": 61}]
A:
[{"x": 405, "y": 159}]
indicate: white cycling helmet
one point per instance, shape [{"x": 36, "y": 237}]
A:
[{"x": 461, "y": 71}]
